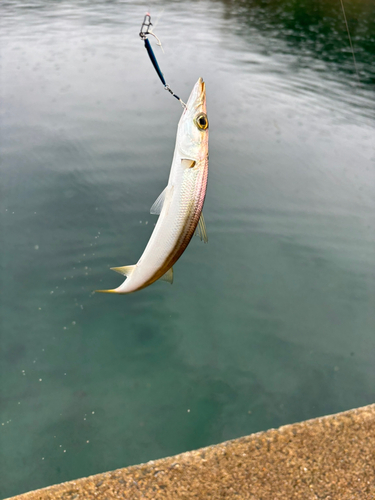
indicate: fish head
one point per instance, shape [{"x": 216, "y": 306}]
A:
[{"x": 192, "y": 133}]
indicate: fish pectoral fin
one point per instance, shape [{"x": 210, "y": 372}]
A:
[
  {"x": 124, "y": 270},
  {"x": 188, "y": 163},
  {"x": 168, "y": 276},
  {"x": 106, "y": 291},
  {"x": 159, "y": 202},
  {"x": 201, "y": 231}
]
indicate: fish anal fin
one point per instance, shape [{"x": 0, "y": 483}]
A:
[
  {"x": 158, "y": 204},
  {"x": 201, "y": 231},
  {"x": 124, "y": 270},
  {"x": 188, "y": 163},
  {"x": 168, "y": 276}
]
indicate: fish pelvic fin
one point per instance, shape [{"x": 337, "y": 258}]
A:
[
  {"x": 124, "y": 270},
  {"x": 106, "y": 291}
]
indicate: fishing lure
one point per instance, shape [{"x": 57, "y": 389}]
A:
[{"x": 145, "y": 31}]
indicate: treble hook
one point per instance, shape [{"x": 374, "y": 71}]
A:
[{"x": 145, "y": 31}]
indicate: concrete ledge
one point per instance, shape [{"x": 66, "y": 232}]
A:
[{"x": 330, "y": 458}]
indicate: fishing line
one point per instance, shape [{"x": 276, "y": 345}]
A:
[
  {"x": 350, "y": 40},
  {"x": 145, "y": 31}
]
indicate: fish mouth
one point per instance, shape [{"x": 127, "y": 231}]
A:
[
  {"x": 201, "y": 88},
  {"x": 202, "y": 85},
  {"x": 197, "y": 99}
]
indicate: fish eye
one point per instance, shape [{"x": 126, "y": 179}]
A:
[{"x": 202, "y": 121}]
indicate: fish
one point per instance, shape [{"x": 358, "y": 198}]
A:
[{"x": 180, "y": 204}]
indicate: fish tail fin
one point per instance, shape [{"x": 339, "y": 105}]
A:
[{"x": 124, "y": 270}]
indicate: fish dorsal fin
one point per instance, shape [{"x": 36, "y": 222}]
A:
[
  {"x": 168, "y": 276},
  {"x": 201, "y": 230},
  {"x": 159, "y": 202},
  {"x": 124, "y": 270},
  {"x": 188, "y": 163}
]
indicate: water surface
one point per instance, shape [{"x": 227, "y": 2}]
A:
[{"x": 270, "y": 323}]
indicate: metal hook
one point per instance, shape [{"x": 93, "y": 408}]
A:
[
  {"x": 158, "y": 42},
  {"x": 146, "y": 30}
]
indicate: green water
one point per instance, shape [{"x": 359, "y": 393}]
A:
[{"x": 270, "y": 323}]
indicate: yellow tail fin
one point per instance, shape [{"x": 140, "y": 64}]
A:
[{"x": 124, "y": 270}]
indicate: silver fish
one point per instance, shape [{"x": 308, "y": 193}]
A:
[{"x": 180, "y": 204}]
